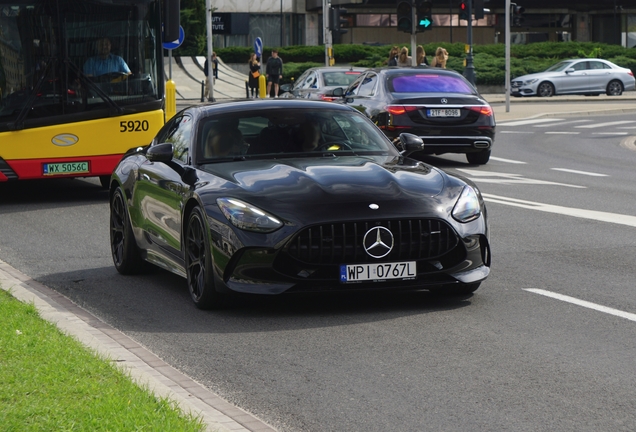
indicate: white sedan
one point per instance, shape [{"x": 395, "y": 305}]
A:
[{"x": 577, "y": 76}]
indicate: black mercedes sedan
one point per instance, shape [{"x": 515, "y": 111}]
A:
[
  {"x": 438, "y": 105},
  {"x": 277, "y": 196}
]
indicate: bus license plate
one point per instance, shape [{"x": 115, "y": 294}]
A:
[
  {"x": 443, "y": 113},
  {"x": 378, "y": 272},
  {"x": 65, "y": 168}
]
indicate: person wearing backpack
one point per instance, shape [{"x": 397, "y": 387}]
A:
[{"x": 274, "y": 72}]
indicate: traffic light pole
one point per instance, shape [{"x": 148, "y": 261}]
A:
[
  {"x": 469, "y": 72},
  {"x": 326, "y": 33},
  {"x": 413, "y": 35},
  {"x": 507, "y": 86}
]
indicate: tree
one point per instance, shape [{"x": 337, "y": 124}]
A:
[{"x": 193, "y": 23}]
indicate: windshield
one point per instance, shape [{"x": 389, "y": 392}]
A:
[
  {"x": 342, "y": 79},
  {"x": 75, "y": 57},
  {"x": 561, "y": 66},
  {"x": 428, "y": 83},
  {"x": 289, "y": 133}
]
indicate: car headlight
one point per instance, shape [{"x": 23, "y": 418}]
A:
[
  {"x": 248, "y": 217},
  {"x": 530, "y": 81},
  {"x": 467, "y": 207}
]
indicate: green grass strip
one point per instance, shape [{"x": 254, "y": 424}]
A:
[{"x": 51, "y": 382}]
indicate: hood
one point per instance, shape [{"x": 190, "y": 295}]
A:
[
  {"x": 538, "y": 75},
  {"x": 310, "y": 188}
]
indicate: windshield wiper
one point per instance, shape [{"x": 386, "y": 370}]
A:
[
  {"x": 18, "y": 124},
  {"x": 91, "y": 85}
]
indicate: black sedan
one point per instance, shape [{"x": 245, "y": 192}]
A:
[
  {"x": 438, "y": 105},
  {"x": 274, "y": 196},
  {"x": 315, "y": 82}
]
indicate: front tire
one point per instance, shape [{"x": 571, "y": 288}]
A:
[
  {"x": 198, "y": 262},
  {"x": 126, "y": 255},
  {"x": 478, "y": 158},
  {"x": 545, "y": 89},
  {"x": 614, "y": 88}
]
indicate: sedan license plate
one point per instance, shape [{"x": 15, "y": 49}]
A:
[
  {"x": 50, "y": 169},
  {"x": 443, "y": 113},
  {"x": 378, "y": 272}
]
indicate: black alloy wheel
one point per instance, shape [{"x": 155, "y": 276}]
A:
[
  {"x": 124, "y": 250},
  {"x": 198, "y": 262},
  {"x": 614, "y": 88},
  {"x": 545, "y": 89}
]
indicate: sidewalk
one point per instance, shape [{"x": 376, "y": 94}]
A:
[{"x": 144, "y": 367}]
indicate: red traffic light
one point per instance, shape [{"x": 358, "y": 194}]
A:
[{"x": 462, "y": 6}]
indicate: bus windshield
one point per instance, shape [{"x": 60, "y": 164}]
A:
[{"x": 79, "y": 59}]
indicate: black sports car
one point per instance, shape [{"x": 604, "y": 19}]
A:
[
  {"x": 284, "y": 195},
  {"x": 438, "y": 105}
]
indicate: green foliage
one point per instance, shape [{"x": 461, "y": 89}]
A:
[
  {"x": 51, "y": 382},
  {"x": 489, "y": 60}
]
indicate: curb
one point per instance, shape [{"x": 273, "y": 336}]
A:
[{"x": 144, "y": 367}]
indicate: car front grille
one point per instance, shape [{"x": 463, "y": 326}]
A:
[{"x": 414, "y": 239}]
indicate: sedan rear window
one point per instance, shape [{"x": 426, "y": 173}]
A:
[
  {"x": 343, "y": 79},
  {"x": 429, "y": 83}
]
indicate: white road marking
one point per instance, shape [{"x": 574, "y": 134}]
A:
[
  {"x": 515, "y": 132},
  {"x": 509, "y": 179},
  {"x": 583, "y": 303},
  {"x": 529, "y": 121},
  {"x": 568, "y": 211},
  {"x": 562, "y": 133},
  {"x": 580, "y": 172},
  {"x": 626, "y": 127},
  {"x": 507, "y": 160},
  {"x": 598, "y": 125},
  {"x": 610, "y": 133},
  {"x": 562, "y": 123}
]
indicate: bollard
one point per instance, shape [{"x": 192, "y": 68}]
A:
[
  {"x": 247, "y": 89},
  {"x": 202, "y": 90},
  {"x": 262, "y": 87},
  {"x": 171, "y": 99}
]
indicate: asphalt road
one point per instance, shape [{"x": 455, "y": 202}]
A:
[{"x": 547, "y": 343}]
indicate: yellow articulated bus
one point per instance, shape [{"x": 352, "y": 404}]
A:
[{"x": 81, "y": 82}]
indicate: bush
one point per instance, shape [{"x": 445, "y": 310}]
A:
[{"x": 489, "y": 60}]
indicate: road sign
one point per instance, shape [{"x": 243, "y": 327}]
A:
[
  {"x": 175, "y": 44},
  {"x": 258, "y": 47}
]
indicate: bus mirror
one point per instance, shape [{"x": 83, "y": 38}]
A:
[{"x": 171, "y": 20}]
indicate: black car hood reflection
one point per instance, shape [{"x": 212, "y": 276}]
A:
[{"x": 285, "y": 186}]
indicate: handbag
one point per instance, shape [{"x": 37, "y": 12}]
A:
[{"x": 256, "y": 74}]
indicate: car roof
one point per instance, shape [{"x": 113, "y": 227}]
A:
[{"x": 238, "y": 105}]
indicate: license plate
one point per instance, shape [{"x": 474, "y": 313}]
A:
[
  {"x": 443, "y": 113},
  {"x": 50, "y": 169},
  {"x": 378, "y": 272}
]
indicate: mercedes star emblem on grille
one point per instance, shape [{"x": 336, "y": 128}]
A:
[
  {"x": 378, "y": 242},
  {"x": 444, "y": 100}
]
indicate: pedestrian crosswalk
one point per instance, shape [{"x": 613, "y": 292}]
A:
[{"x": 561, "y": 126}]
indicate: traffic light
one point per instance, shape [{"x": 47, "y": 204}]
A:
[
  {"x": 478, "y": 9},
  {"x": 405, "y": 16},
  {"x": 516, "y": 13},
  {"x": 463, "y": 11},
  {"x": 336, "y": 22},
  {"x": 424, "y": 12}
]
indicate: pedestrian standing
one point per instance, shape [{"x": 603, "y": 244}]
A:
[
  {"x": 404, "y": 59},
  {"x": 393, "y": 56},
  {"x": 274, "y": 72},
  {"x": 215, "y": 73},
  {"x": 441, "y": 56},
  {"x": 420, "y": 56},
  {"x": 254, "y": 74}
]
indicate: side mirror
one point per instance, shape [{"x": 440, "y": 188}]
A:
[
  {"x": 286, "y": 87},
  {"x": 569, "y": 70},
  {"x": 338, "y": 92},
  {"x": 410, "y": 144},
  {"x": 160, "y": 153}
]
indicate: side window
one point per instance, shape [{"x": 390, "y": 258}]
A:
[
  {"x": 367, "y": 87},
  {"x": 580, "y": 66},
  {"x": 179, "y": 135},
  {"x": 300, "y": 82},
  {"x": 596, "y": 65}
]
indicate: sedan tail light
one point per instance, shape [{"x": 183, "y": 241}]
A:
[
  {"x": 485, "y": 110},
  {"x": 629, "y": 72},
  {"x": 328, "y": 98},
  {"x": 401, "y": 109}
]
